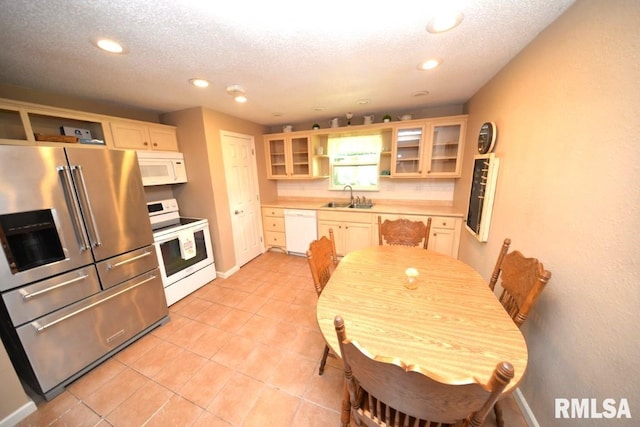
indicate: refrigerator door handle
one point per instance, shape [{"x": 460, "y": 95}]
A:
[
  {"x": 85, "y": 196},
  {"x": 72, "y": 202}
]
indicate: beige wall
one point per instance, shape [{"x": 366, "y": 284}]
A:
[
  {"x": 205, "y": 195},
  {"x": 568, "y": 193},
  {"x": 14, "y": 403}
]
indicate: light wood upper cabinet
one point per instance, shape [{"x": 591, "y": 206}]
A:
[
  {"x": 407, "y": 151},
  {"x": 446, "y": 144},
  {"x": 144, "y": 136},
  {"x": 288, "y": 157},
  {"x": 421, "y": 148},
  {"x": 428, "y": 148}
]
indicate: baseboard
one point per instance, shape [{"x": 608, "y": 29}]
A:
[
  {"x": 20, "y": 414},
  {"x": 527, "y": 413},
  {"x": 228, "y": 273}
]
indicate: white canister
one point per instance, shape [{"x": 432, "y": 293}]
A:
[
  {"x": 334, "y": 123},
  {"x": 368, "y": 120},
  {"x": 287, "y": 128}
]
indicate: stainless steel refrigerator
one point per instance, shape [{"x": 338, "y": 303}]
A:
[{"x": 78, "y": 270}]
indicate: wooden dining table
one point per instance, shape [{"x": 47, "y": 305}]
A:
[{"x": 451, "y": 325}]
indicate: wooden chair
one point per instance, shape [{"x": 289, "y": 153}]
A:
[
  {"x": 322, "y": 261},
  {"x": 404, "y": 232},
  {"x": 523, "y": 280},
  {"x": 385, "y": 392}
]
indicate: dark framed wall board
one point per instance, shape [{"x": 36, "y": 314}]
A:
[{"x": 483, "y": 188}]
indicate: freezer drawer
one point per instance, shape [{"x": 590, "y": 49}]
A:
[
  {"x": 118, "y": 269},
  {"x": 35, "y": 300},
  {"x": 61, "y": 344}
]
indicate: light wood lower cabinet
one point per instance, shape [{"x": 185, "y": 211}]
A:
[
  {"x": 273, "y": 224},
  {"x": 351, "y": 230},
  {"x": 445, "y": 231}
]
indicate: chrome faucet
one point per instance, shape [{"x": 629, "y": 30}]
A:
[{"x": 350, "y": 191}]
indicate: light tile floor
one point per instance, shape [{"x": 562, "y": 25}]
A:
[{"x": 242, "y": 351}]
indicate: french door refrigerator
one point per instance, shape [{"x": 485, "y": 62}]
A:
[{"x": 78, "y": 270}]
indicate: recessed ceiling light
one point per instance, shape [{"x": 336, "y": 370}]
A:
[
  {"x": 444, "y": 20},
  {"x": 318, "y": 108},
  {"x": 109, "y": 45},
  {"x": 429, "y": 64},
  {"x": 277, "y": 114},
  {"x": 363, "y": 101},
  {"x": 202, "y": 83}
]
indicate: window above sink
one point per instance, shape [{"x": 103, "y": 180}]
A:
[{"x": 355, "y": 161}]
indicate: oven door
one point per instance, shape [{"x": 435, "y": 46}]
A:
[{"x": 174, "y": 263}]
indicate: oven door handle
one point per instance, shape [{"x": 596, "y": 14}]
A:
[
  {"x": 126, "y": 261},
  {"x": 39, "y": 328}
]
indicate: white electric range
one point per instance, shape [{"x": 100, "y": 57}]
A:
[{"x": 184, "y": 250}]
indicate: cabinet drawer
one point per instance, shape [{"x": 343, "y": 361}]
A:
[
  {"x": 443, "y": 222},
  {"x": 273, "y": 212},
  {"x": 273, "y": 223},
  {"x": 275, "y": 238}
]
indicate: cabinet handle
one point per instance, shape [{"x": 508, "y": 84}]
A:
[
  {"x": 155, "y": 144},
  {"x": 145, "y": 143}
]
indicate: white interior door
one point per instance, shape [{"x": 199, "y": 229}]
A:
[{"x": 244, "y": 197}]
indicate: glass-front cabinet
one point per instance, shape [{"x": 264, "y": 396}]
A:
[
  {"x": 429, "y": 148},
  {"x": 446, "y": 143},
  {"x": 288, "y": 156},
  {"x": 407, "y": 151}
]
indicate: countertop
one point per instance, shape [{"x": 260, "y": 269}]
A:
[{"x": 407, "y": 207}]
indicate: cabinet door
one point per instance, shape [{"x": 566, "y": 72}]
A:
[
  {"x": 130, "y": 135},
  {"x": 300, "y": 156},
  {"x": 163, "y": 138},
  {"x": 357, "y": 235},
  {"x": 446, "y": 140},
  {"x": 276, "y": 157},
  {"x": 407, "y": 151},
  {"x": 442, "y": 241},
  {"x": 338, "y": 234}
]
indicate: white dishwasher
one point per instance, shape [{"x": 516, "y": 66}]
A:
[{"x": 300, "y": 227}]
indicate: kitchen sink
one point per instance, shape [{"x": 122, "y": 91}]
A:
[
  {"x": 337, "y": 205},
  {"x": 348, "y": 205}
]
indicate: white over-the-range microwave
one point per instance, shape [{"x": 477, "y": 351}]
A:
[{"x": 162, "y": 167}]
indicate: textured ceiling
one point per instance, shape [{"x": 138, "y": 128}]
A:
[{"x": 290, "y": 56}]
